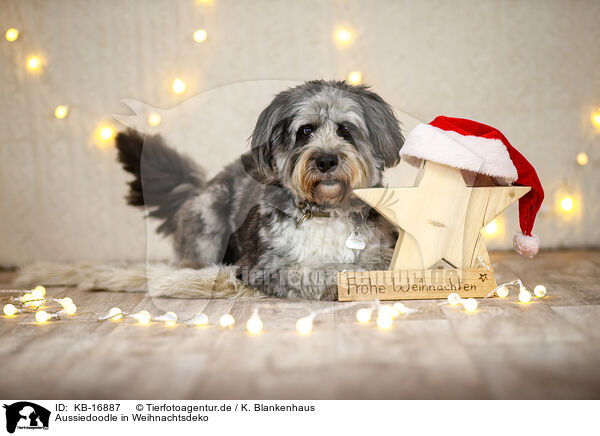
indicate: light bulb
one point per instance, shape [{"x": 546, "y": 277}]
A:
[
  {"x": 9, "y": 309},
  {"x": 38, "y": 293},
  {"x": 305, "y": 325},
  {"x": 254, "y": 325},
  {"x": 115, "y": 314},
  {"x": 42, "y": 316},
  {"x": 106, "y": 133},
  {"x": 355, "y": 78},
  {"x": 178, "y": 86},
  {"x": 142, "y": 317},
  {"x": 61, "y": 111},
  {"x": 454, "y": 299},
  {"x": 388, "y": 310},
  {"x": 70, "y": 309},
  {"x": 30, "y": 300},
  {"x": 200, "y": 35},
  {"x": 384, "y": 320},
  {"x": 344, "y": 35},
  {"x": 34, "y": 63},
  {"x": 154, "y": 119},
  {"x": 502, "y": 291},
  {"x": 27, "y": 297},
  {"x": 492, "y": 228},
  {"x": 11, "y": 34},
  {"x": 524, "y": 295},
  {"x": 35, "y": 303},
  {"x": 226, "y": 321},
  {"x": 596, "y": 118},
  {"x": 566, "y": 204},
  {"x": 400, "y": 308},
  {"x": 363, "y": 316},
  {"x": 582, "y": 159},
  {"x": 539, "y": 291},
  {"x": 170, "y": 318},
  {"x": 200, "y": 319},
  {"x": 64, "y": 302},
  {"x": 470, "y": 304}
]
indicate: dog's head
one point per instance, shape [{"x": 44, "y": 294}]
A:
[{"x": 322, "y": 139}]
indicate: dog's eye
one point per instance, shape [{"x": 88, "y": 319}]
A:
[
  {"x": 344, "y": 131},
  {"x": 306, "y": 130}
]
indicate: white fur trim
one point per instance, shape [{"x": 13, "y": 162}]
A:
[
  {"x": 160, "y": 280},
  {"x": 525, "y": 245},
  {"x": 473, "y": 153}
]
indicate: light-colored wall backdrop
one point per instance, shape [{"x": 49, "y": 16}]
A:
[{"x": 531, "y": 68}]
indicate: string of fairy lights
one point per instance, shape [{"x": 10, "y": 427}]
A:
[{"x": 46, "y": 309}]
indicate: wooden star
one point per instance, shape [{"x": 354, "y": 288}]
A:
[{"x": 441, "y": 217}]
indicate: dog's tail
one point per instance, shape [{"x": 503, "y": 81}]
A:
[{"x": 163, "y": 178}]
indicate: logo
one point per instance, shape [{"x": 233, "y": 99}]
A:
[{"x": 26, "y": 415}]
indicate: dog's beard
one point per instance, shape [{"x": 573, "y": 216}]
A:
[
  {"x": 330, "y": 191},
  {"x": 332, "y": 188}
]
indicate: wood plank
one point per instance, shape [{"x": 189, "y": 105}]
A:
[
  {"x": 585, "y": 318},
  {"x": 508, "y": 321},
  {"x": 405, "y": 362},
  {"x": 560, "y": 370}
]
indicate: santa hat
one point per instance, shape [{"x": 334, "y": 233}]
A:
[{"x": 473, "y": 146}]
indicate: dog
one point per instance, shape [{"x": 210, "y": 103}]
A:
[{"x": 283, "y": 213}]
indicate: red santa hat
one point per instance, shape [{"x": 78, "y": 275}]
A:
[{"x": 476, "y": 147}]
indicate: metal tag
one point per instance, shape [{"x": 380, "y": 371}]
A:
[{"x": 355, "y": 241}]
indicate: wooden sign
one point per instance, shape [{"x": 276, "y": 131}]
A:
[
  {"x": 439, "y": 220},
  {"x": 414, "y": 284}
]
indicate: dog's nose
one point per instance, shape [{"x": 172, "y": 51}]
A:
[{"x": 325, "y": 162}]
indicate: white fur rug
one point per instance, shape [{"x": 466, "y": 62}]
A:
[{"x": 159, "y": 280}]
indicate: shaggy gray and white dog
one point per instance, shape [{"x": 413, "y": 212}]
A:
[{"x": 284, "y": 212}]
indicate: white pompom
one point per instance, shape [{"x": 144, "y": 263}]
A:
[{"x": 526, "y": 245}]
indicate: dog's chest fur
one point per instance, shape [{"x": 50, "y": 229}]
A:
[{"x": 319, "y": 240}]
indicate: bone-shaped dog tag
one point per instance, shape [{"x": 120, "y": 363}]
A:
[{"x": 355, "y": 240}]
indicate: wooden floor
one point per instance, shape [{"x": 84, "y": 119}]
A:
[{"x": 546, "y": 349}]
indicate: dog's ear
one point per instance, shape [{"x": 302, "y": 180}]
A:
[
  {"x": 269, "y": 134},
  {"x": 384, "y": 128}
]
